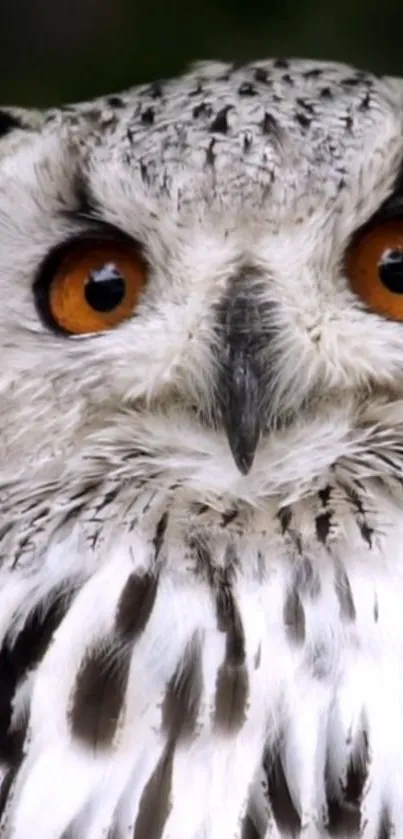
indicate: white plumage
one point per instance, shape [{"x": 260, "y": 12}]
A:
[{"x": 201, "y": 525}]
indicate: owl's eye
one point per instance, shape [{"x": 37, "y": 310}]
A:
[
  {"x": 374, "y": 265},
  {"x": 90, "y": 285}
]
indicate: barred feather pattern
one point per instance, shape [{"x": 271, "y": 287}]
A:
[{"x": 232, "y": 655}]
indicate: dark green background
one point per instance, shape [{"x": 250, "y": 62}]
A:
[{"x": 61, "y": 50}]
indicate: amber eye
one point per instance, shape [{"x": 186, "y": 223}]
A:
[
  {"x": 374, "y": 265},
  {"x": 91, "y": 285}
]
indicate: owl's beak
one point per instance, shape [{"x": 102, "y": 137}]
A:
[
  {"x": 240, "y": 405},
  {"x": 240, "y": 381}
]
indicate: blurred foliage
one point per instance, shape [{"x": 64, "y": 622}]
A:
[{"x": 54, "y": 51}]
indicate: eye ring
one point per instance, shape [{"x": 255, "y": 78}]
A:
[
  {"x": 90, "y": 284},
  {"x": 374, "y": 266}
]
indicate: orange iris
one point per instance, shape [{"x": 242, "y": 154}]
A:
[
  {"x": 374, "y": 265},
  {"x": 95, "y": 285}
]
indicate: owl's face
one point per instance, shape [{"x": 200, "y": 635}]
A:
[{"x": 205, "y": 272}]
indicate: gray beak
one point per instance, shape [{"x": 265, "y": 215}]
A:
[{"x": 240, "y": 382}]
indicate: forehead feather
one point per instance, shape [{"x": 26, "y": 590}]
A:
[
  {"x": 274, "y": 131},
  {"x": 280, "y": 139}
]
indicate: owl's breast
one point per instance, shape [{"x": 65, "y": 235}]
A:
[
  {"x": 189, "y": 671},
  {"x": 315, "y": 592}
]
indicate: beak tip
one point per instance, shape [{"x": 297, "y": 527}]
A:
[{"x": 243, "y": 460}]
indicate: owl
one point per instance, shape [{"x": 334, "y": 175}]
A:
[{"x": 201, "y": 471}]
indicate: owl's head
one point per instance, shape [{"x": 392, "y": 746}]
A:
[{"x": 201, "y": 282}]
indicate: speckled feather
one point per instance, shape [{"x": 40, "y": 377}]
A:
[{"x": 189, "y": 652}]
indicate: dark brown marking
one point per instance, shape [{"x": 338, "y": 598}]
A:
[
  {"x": 365, "y": 530},
  {"x": 365, "y": 102},
  {"x": 284, "y": 812},
  {"x": 144, "y": 172},
  {"x": 351, "y": 81},
  {"x": 203, "y": 109},
  {"x": 249, "y": 830},
  {"x": 356, "y": 777},
  {"x": 148, "y": 116},
  {"x": 326, "y": 93},
  {"x": 9, "y": 122},
  {"x": 307, "y": 106},
  {"x": 231, "y": 695},
  {"x": 15, "y": 758},
  {"x": 183, "y": 696},
  {"x": 270, "y": 125},
  {"x": 303, "y": 120},
  {"x": 159, "y": 534},
  {"x": 345, "y": 816},
  {"x": 247, "y": 89},
  {"x": 115, "y": 101},
  {"x": 232, "y": 683},
  {"x": 315, "y": 73},
  {"x": 99, "y": 696},
  {"x": 344, "y": 594},
  {"x": 261, "y": 75},
  {"x": 200, "y": 509},
  {"x": 322, "y": 525},
  {"x": 155, "y": 803},
  {"x": 284, "y": 517},
  {"x": 376, "y": 610},
  {"x": 210, "y": 153},
  {"x": 247, "y": 142},
  {"x": 357, "y": 772},
  {"x": 136, "y": 604},
  {"x": 220, "y": 121},
  {"x": 342, "y": 819},
  {"x": 6, "y": 787},
  {"x": 294, "y": 617},
  {"x": 19, "y": 656},
  {"x": 229, "y": 621},
  {"x": 228, "y": 517},
  {"x": 324, "y": 495}
]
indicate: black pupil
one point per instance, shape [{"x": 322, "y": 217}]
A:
[
  {"x": 391, "y": 270},
  {"x": 105, "y": 288}
]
